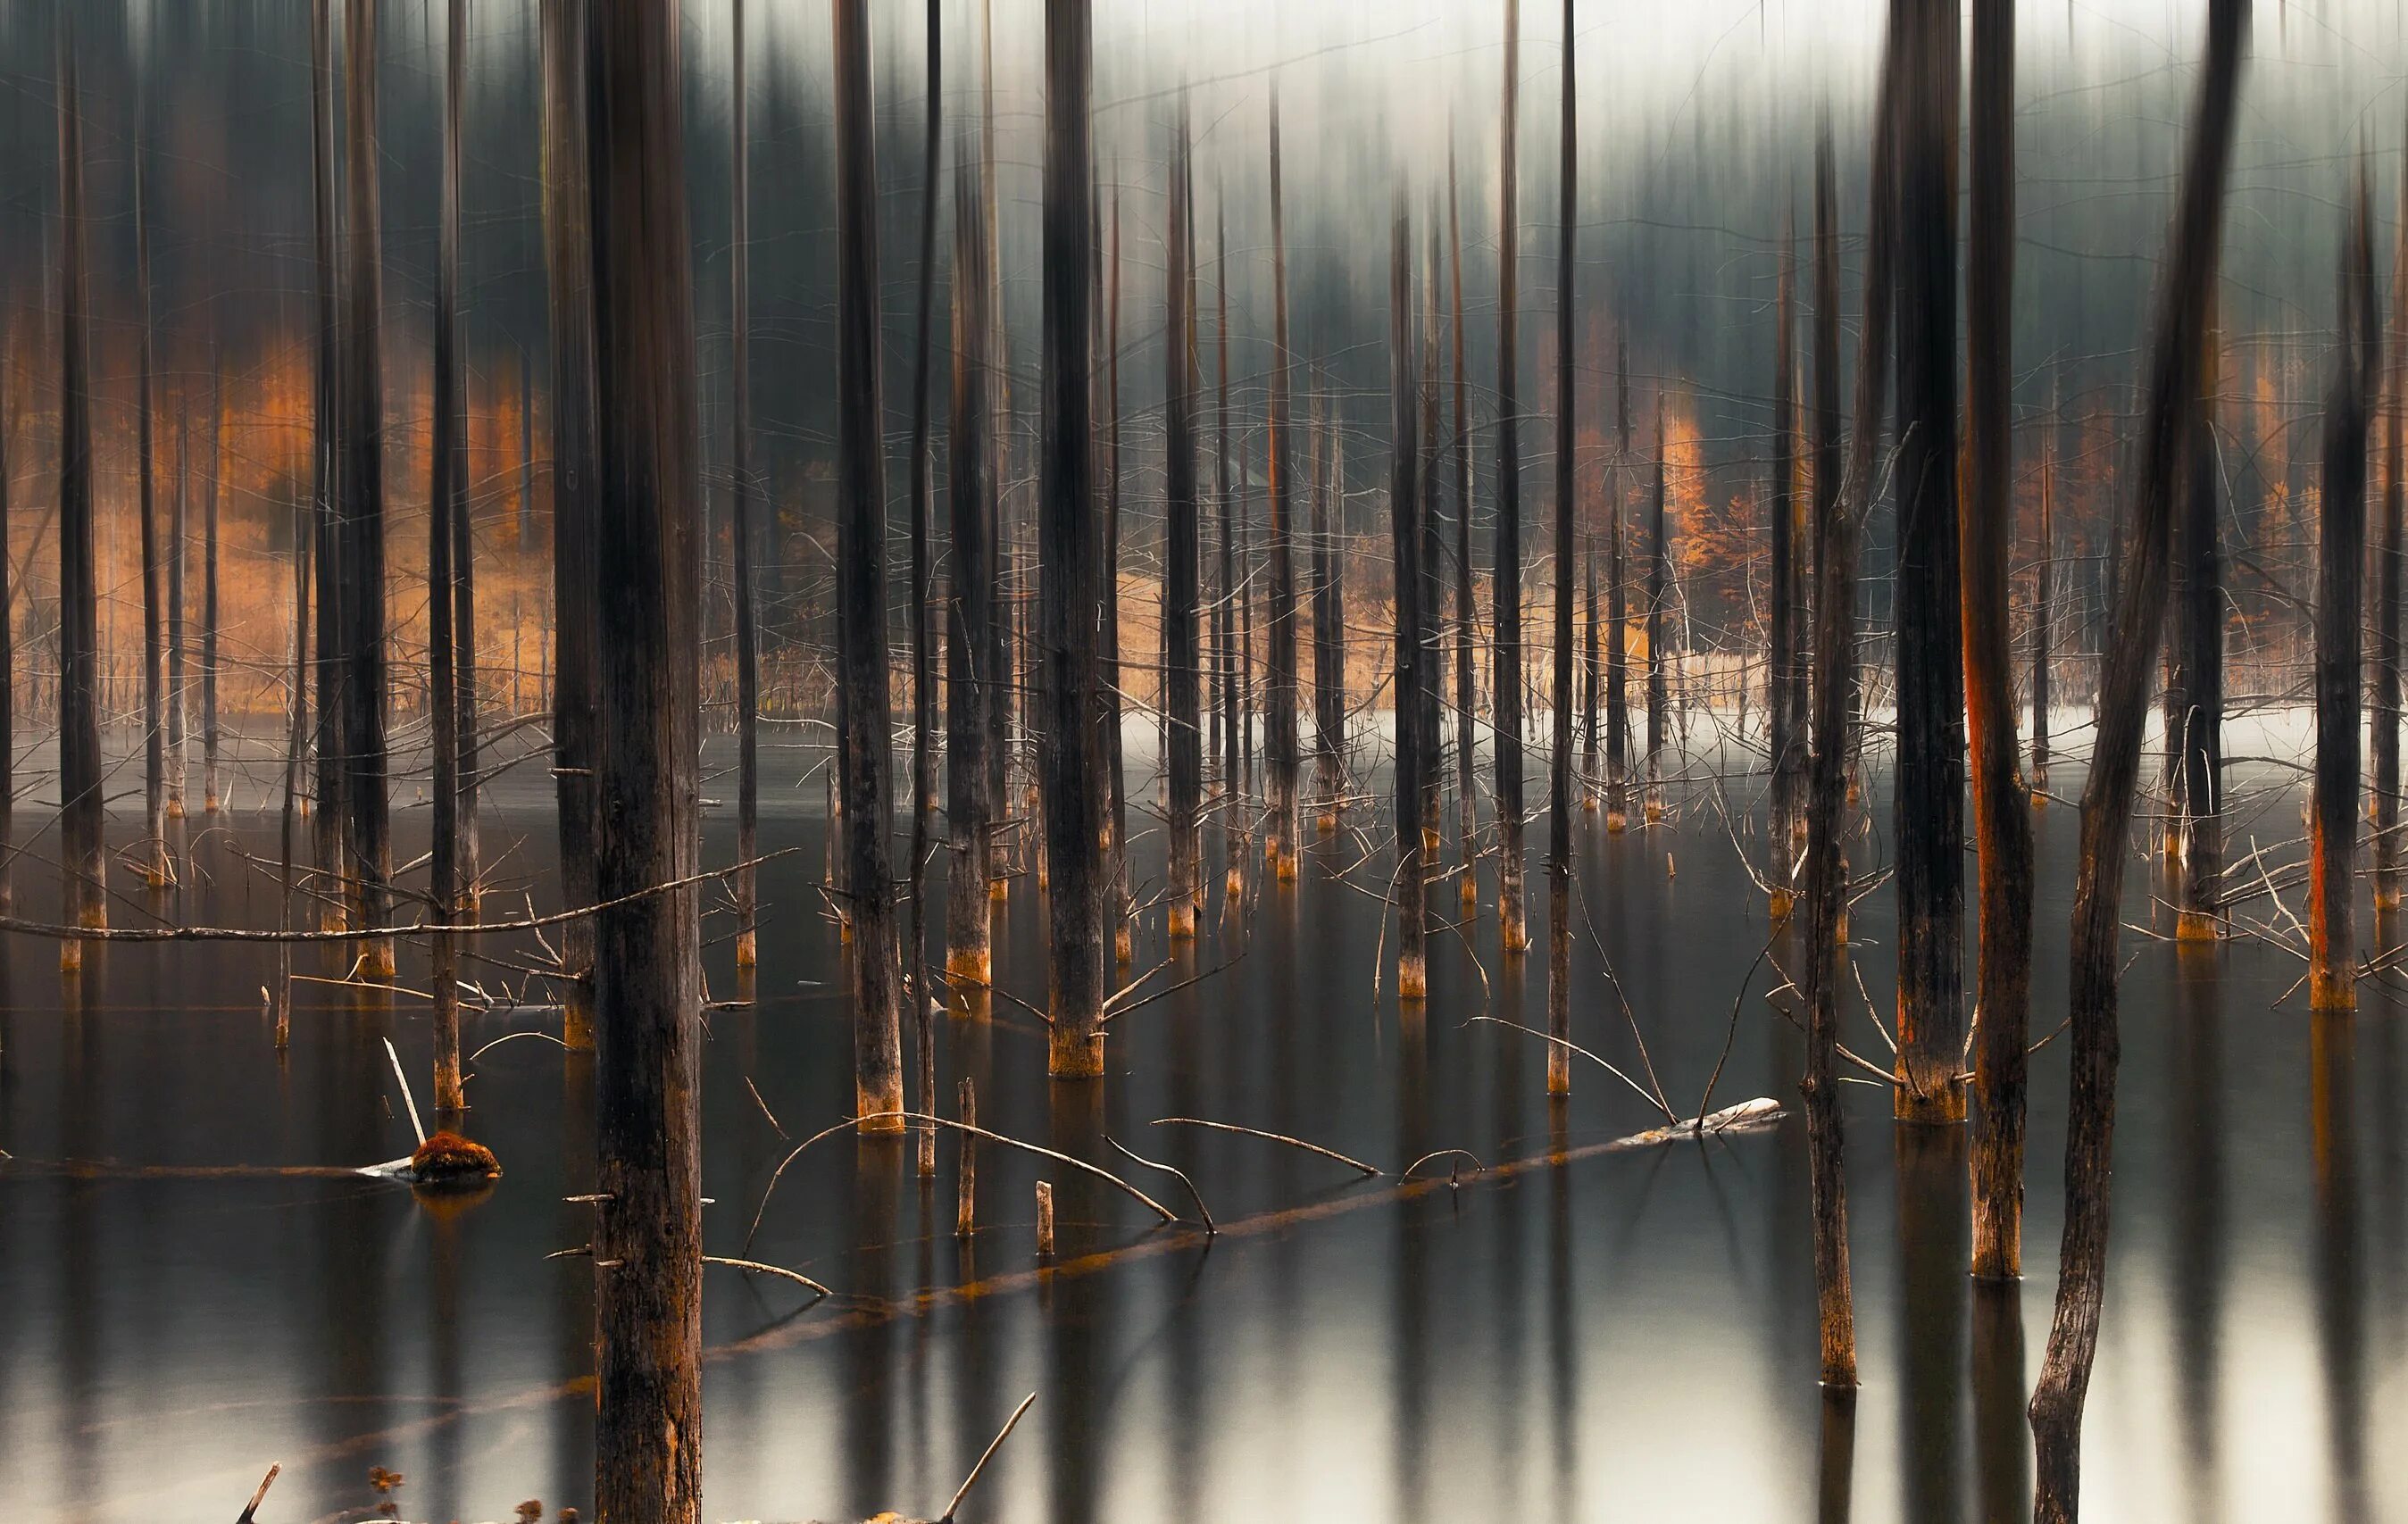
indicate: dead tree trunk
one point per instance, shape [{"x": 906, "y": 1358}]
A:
[
  {"x": 2181, "y": 321},
  {"x": 177, "y": 534},
  {"x": 1227, "y": 655},
  {"x": 1073, "y": 601},
  {"x": 1404, "y": 513},
  {"x": 1658, "y": 690},
  {"x": 575, "y": 613},
  {"x": 326, "y": 505},
  {"x": 211, "y": 798},
  {"x": 2044, "y": 601},
  {"x": 1280, "y": 742},
  {"x": 2341, "y": 561},
  {"x": 446, "y": 501},
  {"x": 8, "y": 666},
  {"x": 84, "y": 893},
  {"x": 923, "y": 674},
  {"x": 296, "y": 741},
  {"x": 647, "y": 969},
  {"x": 1930, "y": 810},
  {"x": 866, "y": 787},
  {"x": 2199, "y": 872},
  {"x": 2387, "y": 588},
  {"x": 747, "y": 647},
  {"x": 1592, "y": 670},
  {"x": 1328, "y": 618},
  {"x": 155, "y": 731},
  {"x": 1431, "y": 600},
  {"x": 1617, "y": 612},
  {"x": 1781, "y": 686},
  {"x": 1505, "y": 584},
  {"x": 1559, "y": 760},
  {"x": 1118, "y": 913},
  {"x": 1466, "y": 804},
  {"x": 1181, "y": 550},
  {"x": 360, "y": 444},
  {"x": 970, "y": 611},
  {"x": 2002, "y": 827}
]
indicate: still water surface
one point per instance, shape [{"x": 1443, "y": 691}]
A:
[{"x": 1618, "y": 1335}]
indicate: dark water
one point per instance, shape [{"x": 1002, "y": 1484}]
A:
[{"x": 1623, "y": 1335}]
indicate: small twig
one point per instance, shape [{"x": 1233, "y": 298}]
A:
[
  {"x": 251, "y": 1508},
  {"x": 1731, "y": 1031},
  {"x": 407, "y": 1099},
  {"x": 767, "y": 1270},
  {"x": 1442, "y": 1153},
  {"x": 1275, "y": 1136},
  {"x": 1195, "y": 1194},
  {"x": 963, "y": 1490},
  {"x": 764, "y": 1106},
  {"x": 1635, "y": 1088},
  {"x": 511, "y": 1037}
]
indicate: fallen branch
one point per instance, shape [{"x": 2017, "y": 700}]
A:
[
  {"x": 1274, "y": 1137},
  {"x": 1635, "y": 1088},
  {"x": 1192, "y": 1193},
  {"x": 251, "y": 1508},
  {"x": 757, "y": 1266},
  {"x": 963, "y": 1490}
]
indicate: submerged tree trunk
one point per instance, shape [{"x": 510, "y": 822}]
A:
[
  {"x": 2341, "y": 561},
  {"x": 1659, "y": 703},
  {"x": 360, "y": 444},
  {"x": 747, "y": 647},
  {"x": 1404, "y": 513},
  {"x": 2199, "y": 870},
  {"x": 1072, "y": 602},
  {"x": 154, "y": 730},
  {"x": 177, "y": 534},
  {"x": 1930, "y": 809},
  {"x": 1505, "y": 582},
  {"x": 1467, "y": 803},
  {"x": 1559, "y": 759},
  {"x": 1617, "y": 612},
  {"x": 211, "y": 798},
  {"x": 1118, "y": 913},
  {"x": 1780, "y": 679},
  {"x": 326, "y": 505},
  {"x": 970, "y": 611},
  {"x": 1227, "y": 653},
  {"x": 647, "y": 984},
  {"x": 575, "y": 612},
  {"x": 917, "y": 989},
  {"x": 2043, "y": 601},
  {"x": 83, "y": 891},
  {"x": 867, "y": 808},
  {"x": 2174, "y": 358},
  {"x": 2002, "y": 810},
  {"x": 1328, "y": 616},
  {"x": 1180, "y": 551},
  {"x": 2387, "y": 585},
  {"x": 446, "y": 502},
  {"x": 1280, "y": 740}
]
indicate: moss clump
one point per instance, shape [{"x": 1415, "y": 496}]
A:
[{"x": 447, "y": 1156}]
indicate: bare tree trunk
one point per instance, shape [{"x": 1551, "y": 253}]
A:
[
  {"x": 210, "y": 796},
  {"x": 155, "y": 731},
  {"x": 1781, "y": 688},
  {"x": 1505, "y": 586},
  {"x": 647, "y": 969},
  {"x": 748, "y": 648},
  {"x": 1328, "y": 617},
  {"x": 1431, "y": 601},
  {"x": 923, "y": 698},
  {"x": 360, "y": 445},
  {"x": 326, "y": 504},
  {"x": 296, "y": 740},
  {"x": 1181, "y": 550},
  {"x": 970, "y": 620},
  {"x": 2341, "y": 561},
  {"x": 1559, "y": 760},
  {"x": 1073, "y": 601},
  {"x": 2043, "y": 601},
  {"x": 446, "y": 502},
  {"x": 1617, "y": 613},
  {"x": 2200, "y": 872},
  {"x": 1930, "y": 822},
  {"x": 2002, "y": 810},
  {"x": 1280, "y": 740},
  {"x": 1404, "y": 513},
  {"x": 577, "y": 614},
  {"x": 178, "y": 523},
  {"x": 861, "y": 571},
  {"x": 1467, "y": 619},
  {"x": 1118, "y": 914},
  {"x": 1659, "y": 702},
  {"x": 7, "y": 670},
  {"x": 1228, "y": 656},
  {"x": 2174, "y": 358},
  {"x": 83, "y": 892},
  {"x": 2387, "y": 581}
]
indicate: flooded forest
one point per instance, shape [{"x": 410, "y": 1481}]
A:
[{"x": 1075, "y": 761}]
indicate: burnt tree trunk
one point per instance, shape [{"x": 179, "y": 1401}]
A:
[
  {"x": 1781, "y": 510},
  {"x": 1226, "y": 653},
  {"x": 445, "y": 503},
  {"x": 576, "y": 613},
  {"x": 8, "y": 666},
  {"x": 2002, "y": 829},
  {"x": 1658, "y": 690},
  {"x": 1180, "y": 547},
  {"x": 917, "y": 988},
  {"x": 360, "y": 480},
  {"x": 154, "y": 730},
  {"x": 2174, "y": 358},
  {"x": 1929, "y": 806},
  {"x": 1505, "y": 584},
  {"x": 748, "y": 639},
  {"x": 1404, "y": 513},
  {"x": 970, "y": 605},
  {"x": 2387, "y": 581},
  {"x": 1118, "y": 913},
  {"x": 1617, "y": 612},
  {"x": 1281, "y": 760},
  {"x": 647, "y": 969},
  {"x": 2044, "y": 602},
  {"x": 178, "y": 523},
  {"x": 1328, "y": 619},
  {"x": 83, "y": 892},
  {"x": 2199, "y": 868},
  {"x": 326, "y": 505},
  {"x": 1430, "y": 603},
  {"x": 865, "y": 784},
  {"x": 1072, "y": 604},
  {"x": 211, "y": 797},
  {"x": 1467, "y": 693},
  {"x": 1559, "y": 759}
]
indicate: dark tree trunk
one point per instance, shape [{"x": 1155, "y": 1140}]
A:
[
  {"x": 575, "y": 613},
  {"x": 1226, "y": 653},
  {"x": 2340, "y": 561},
  {"x": 865, "y": 784},
  {"x": 1328, "y": 618},
  {"x": 1659, "y": 703},
  {"x": 446, "y": 503},
  {"x": 647, "y": 969},
  {"x": 9, "y": 682},
  {"x": 211, "y": 798},
  {"x": 1118, "y": 913},
  {"x": 1930, "y": 810},
  {"x": 2044, "y": 602},
  {"x": 1617, "y": 612},
  {"x": 2174, "y": 360},
  {"x": 83, "y": 892},
  {"x": 1181, "y": 548},
  {"x": 360, "y": 446},
  {"x": 154, "y": 730},
  {"x": 2002, "y": 827},
  {"x": 1073, "y": 601},
  {"x": 2387, "y": 586},
  {"x": 296, "y": 741},
  {"x": 970, "y": 611},
  {"x": 2199, "y": 879},
  {"x": 1281, "y": 760},
  {"x": 1559, "y": 759},
  {"x": 748, "y": 639},
  {"x": 326, "y": 492},
  {"x": 1467, "y": 803},
  {"x": 1505, "y": 587},
  {"x": 1430, "y": 603},
  {"x": 923, "y": 698},
  {"x": 178, "y": 525},
  {"x": 1404, "y": 513},
  {"x": 1781, "y": 683}
]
